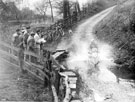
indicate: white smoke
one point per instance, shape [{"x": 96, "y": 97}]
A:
[
  {"x": 87, "y": 52},
  {"x": 89, "y": 56}
]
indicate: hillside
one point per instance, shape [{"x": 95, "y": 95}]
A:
[
  {"x": 109, "y": 3},
  {"x": 117, "y": 29}
]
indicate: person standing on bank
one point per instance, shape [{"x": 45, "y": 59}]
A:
[
  {"x": 21, "y": 52},
  {"x": 26, "y": 35},
  {"x": 15, "y": 38},
  {"x": 37, "y": 43},
  {"x": 31, "y": 42}
]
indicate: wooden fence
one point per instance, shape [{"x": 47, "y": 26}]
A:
[
  {"x": 10, "y": 54},
  {"x": 38, "y": 70}
]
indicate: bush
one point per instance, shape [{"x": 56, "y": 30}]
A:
[
  {"x": 119, "y": 31},
  {"x": 132, "y": 19}
]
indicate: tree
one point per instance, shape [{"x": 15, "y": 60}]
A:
[
  {"x": 51, "y": 10},
  {"x": 77, "y": 7},
  {"x": 27, "y": 14},
  {"x": 15, "y": 13},
  {"x": 10, "y": 12},
  {"x": 42, "y": 8},
  {"x": 59, "y": 6},
  {"x": 66, "y": 7},
  {"x": 5, "y": 11}
]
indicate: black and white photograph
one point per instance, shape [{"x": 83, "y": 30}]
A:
[{"x": 67, "y": 50}]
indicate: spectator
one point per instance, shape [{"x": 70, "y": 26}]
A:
[
  {"x": 41, "y": 43},
  {"x": 37, "y": 38},
  {"x": 26, "y": 33},
  {"x": 31, "y": 42},
  {"x": 42, "y": 40},
  {"x": 21, "y": 52},
  {"x": 24, "y": 30},
  {"x": 60, "y": 31},
  {"x": 20, "y": 41},
  {"x": 15, "y": 38}
]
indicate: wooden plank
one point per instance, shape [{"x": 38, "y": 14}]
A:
[
  {"x": 31, "y": 54},
  {"x": 57, "y": 64},
  {"x": 72, "y": 78},
  {"x": 38, "y": 77},
  {"x": 8, "y": 54},
  {"x": 10, "y": 63},
  {"x": 57, "y": 54},
  {"x": 38, "y": 70},
  {"x": 17, "y": 49},
  {"x": 72, "y": 82},
  {"x": 9, "y": 46},
  {"x": 76, "y": 100},
  {"x": 35, "y": 65},
  {"x": 69, "y": 73},
  {"x": 72, "y": 86}
]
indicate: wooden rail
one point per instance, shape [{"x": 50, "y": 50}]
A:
[
  {"x": 38, "y": 71},
  {"x": 35, "y": 69}
]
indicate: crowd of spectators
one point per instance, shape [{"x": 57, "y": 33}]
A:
[
  {"x": 28, "y": 40},
  {"x": 33, "y": 40}
]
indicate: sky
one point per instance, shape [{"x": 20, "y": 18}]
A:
[{"x": 32, "y": 3}]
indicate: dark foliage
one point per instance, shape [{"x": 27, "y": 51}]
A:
[{"x": 119, "y": 30}]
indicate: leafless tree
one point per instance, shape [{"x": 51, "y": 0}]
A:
[
  {"x": 43, "y": 6},
  {"x": 66, "y": 7},
  {"x": 51, "y": 10}
]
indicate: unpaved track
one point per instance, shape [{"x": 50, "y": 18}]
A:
[{"x": 86, "y": 28}]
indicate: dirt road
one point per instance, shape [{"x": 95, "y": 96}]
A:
[{"x": 84, "y": 30}]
